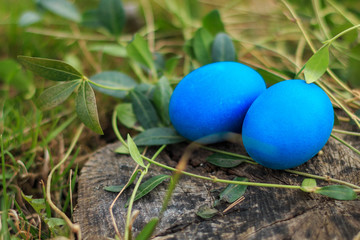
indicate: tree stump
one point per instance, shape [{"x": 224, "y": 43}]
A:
[{"x": 266, "y": 213}]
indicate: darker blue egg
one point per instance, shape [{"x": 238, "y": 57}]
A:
[
  {"x": 212, "y": 101},
  {"x": 288, "y": 124}
]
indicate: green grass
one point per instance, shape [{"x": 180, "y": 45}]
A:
[{"x": 34, "y": 141}]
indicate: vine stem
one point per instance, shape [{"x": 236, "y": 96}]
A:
[
  {"x": 74, "y": 227},
  {"x": 342, "y": 33},
  {"x": 346, "y": 144},
  {"x": 107, "y": 87},
  {"x": 346, "y": 132}
]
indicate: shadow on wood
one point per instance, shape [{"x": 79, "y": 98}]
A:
[{"x": 266, "y": 213}]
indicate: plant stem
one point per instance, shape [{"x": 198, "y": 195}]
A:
[
  {"x": 346, "y": 144},
  {"x": 108, "y": 87},
  {"x": 74, "y": 227},
  {"x": 342, "y": 33},
  {"x": 116, "y": 129},
  {"x": 247, "y": 159},
  {"x": 346, "y": 132},
  {"x": 326, "y": 178},
  {"x": 4, "y": 229}
]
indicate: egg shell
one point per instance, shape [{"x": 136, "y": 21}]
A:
[
  {"x": 212, "y": 100},
  {"x": 288, "y": 124}
]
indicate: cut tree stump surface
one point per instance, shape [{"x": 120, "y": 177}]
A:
[{"x": 266, "y": 213}]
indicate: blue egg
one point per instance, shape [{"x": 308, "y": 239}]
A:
[
  {"x": 212, "y": 100},
  {"x": 288, "y": 124}
]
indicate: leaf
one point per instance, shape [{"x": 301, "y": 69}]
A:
[
  {"x": 144, "y": 110},
  {"x": 201, "y": 44},
  {"x": 111, "y": 49},
  {"x": 139, "y": 51},
  {"x": 118, "y": 188},
  {"x": 339, "y": 192},
  {"x": 57, "y": 94},
  {"x": 171, "y": 64},
  {"x": 316, "y": 66},
  {"x": 308, "y": 185},
  {"x": 28, "y": 18},
  {"x": 134, "y": 151},
  {"x": 233, "y": 191},
  {"x": 62, "y": 8},
  {"x": 212, "y": 22},
  {"x": 223, "y": 160},
  {"x": 54, "y": 222},
  {"x": 125, "y": 114},
  {"x": 223, "y": 48},
  {"x": 50, "y": 69},
  {"x": 269, "y": 77},
  {"x": 111, "y": 15},
  {"x": 148, "y": 186},
  {"x": 113, "y": 79},
  {"x": 158, "y": 136},
  {"x": 86, "y": 108},
  {"x": 161, "y": 98},
  {"x": 148, "y": 230},
  {"x": 206, "y": 212},
  {"x": 90, "y": 19},
  {"x": 37, "y": 204}
]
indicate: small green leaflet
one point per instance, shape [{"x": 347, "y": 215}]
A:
[
  {"x": 57, "y": 94},
  {"x": 50, "y": 69},
  {"x": 113, "y": 79},
  {"x": 134, "y": 151},
  {"x": 339, "y": 192},
  {"x": 201, "y": 45},
  {"x": 148, "y": 230},
  {"x": 212, "y": 22},
  {"x": 224, "y": 160},
  {"x": 308, "y": 185},
  {"x": 234, "y": 191},
  {"x": 125, "y": 114},
  {"x": 86, "y": 108},
  {"x": 28, "y": 18},
  {"x": 206, "y": 212},
  {"x": 144, "y": 110},
  {"x": 269, "y": 77},
  {"x": 223, "y": 48},
  {"x": 62, "y": 8},
  {"x": 161, "y": 98},
  {"x": 158, "y": 136},
  {"x": 90, "y": 19},
  {"x": 148, "y": 186},
  {"x": 118, "y": 188},
  {"x": 111, "y": 15},
  {"x": 138, "y": 50},
  {"x": 316, "y": 66},
  {"x": 37, "y": 204}
]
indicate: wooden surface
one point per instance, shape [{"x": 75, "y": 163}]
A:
[{"x": 266, "y": 213}]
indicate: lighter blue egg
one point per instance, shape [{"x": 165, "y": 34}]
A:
[
  {"x": 212, "y": 100},
  {"x": 288, "y": 124}
]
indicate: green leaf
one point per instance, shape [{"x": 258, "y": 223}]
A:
[
  {"x": 339, "y": 192},
  {"x": 57, "y": 94},
  {"x": 113, "y": 79},
  {"x": 223, "y": 160},
  {"x": 223, "y": 48},
  {"x": 118, "y": 188},
  {"x": 112, "y": 15},
  {"x": 139, "y": 51},
  {"x": 50, "y": 69},
  {"x": 90, "y": 19},
  {"x": 54, "y": 222},
  {"x": 111, "y": 49},
  {"x": 62, "y": 8},
  {"x": 144, "y": 110},
  {"x": 125, "y": 114},
  {"x": 201, "y": 45},
  {"x": 161, "y": 98},
  {"x": 206, "y": 212},
  {"x": 316, "y": 66},
  {"x": 148, "y": 186},
  {"x": 158, "y": 136},
  {"x": 37, "y": 204},
  {"x": 134, "y": 151},
  {"x": 269, "y": 77},
  {"x": 86, "y": 107},
  {"x": 233, "y": 191},
  {"x": 148, "y": 230},
  {"x": 308, "y": 185},
  {"x": 212, "y": 22},
  {"x": 28, "y": 18},
  {"x": 171, "y": 64},
  {"x": 189, "y": 48}
]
